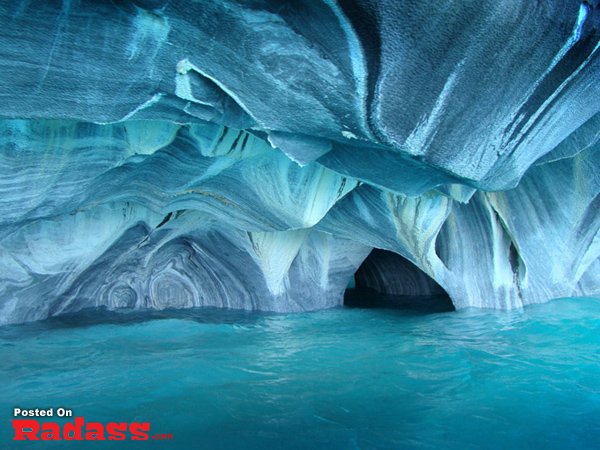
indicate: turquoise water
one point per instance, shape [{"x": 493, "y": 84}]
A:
[{"x": 336, "y": 379}]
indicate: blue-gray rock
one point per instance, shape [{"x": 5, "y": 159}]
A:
[{"x": 251, "y": 153}]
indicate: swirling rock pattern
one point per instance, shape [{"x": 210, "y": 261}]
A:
[{"x": 251, "y": 153}]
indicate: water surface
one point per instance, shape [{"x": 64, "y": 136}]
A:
[{"x": 336, "y": 379}]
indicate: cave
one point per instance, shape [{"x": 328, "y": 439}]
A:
[
  {"x": 256, "y": 168},
  {"x": 388, "y": 280}
]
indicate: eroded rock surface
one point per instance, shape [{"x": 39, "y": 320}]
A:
[{"x": 251, "y": 153}]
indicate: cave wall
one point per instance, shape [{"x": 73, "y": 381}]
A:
[{"x": 251, "y": 153}]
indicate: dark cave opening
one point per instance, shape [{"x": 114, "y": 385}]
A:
[{"x": 388, "y": 280}]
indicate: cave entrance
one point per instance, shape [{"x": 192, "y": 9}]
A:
[{"x": 388, "y": 280}]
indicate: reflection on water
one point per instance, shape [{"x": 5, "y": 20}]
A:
[{"x": 343, "y": 378}]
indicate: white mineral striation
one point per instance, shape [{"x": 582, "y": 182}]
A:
[{"x": 251, "y": 153}]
